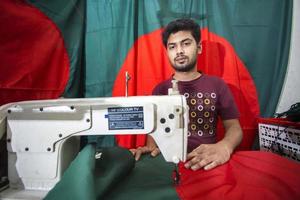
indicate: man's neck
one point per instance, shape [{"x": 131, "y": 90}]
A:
[{"x": 186, "y": 76}]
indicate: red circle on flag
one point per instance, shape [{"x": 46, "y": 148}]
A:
[{"x": 148, "y": 65}]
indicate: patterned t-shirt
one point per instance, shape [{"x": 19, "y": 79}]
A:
[{"x": 207, "y": 97}]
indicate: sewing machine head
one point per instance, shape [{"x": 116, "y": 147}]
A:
[{"x": 41, "y": 140}]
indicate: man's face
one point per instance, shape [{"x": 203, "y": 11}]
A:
[{"x": 182, "y": 51}]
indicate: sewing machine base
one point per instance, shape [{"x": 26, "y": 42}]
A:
[{"x": 19, "y": 194}]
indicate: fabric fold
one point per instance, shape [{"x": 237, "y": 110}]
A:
[
  {"x": 248, "y": 175},
  {"x": 89, "y": 178}
]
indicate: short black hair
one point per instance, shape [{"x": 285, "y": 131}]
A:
[{"x": 183, "y": 24}]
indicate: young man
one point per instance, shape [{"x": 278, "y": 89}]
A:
[{"x": 207, "y": 96}]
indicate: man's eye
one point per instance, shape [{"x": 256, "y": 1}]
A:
[
  {"x": 171, "y": 47},
  {"x": 186, "y": 43}
]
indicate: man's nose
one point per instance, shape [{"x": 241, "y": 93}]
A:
[{"x": 180, "y": 50}]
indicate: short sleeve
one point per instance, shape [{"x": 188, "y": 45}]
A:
[{"x": 227, "y": 106}]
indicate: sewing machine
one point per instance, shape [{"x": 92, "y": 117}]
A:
[{"x": 42, "y": 142}]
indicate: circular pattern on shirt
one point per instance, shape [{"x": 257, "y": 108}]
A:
[
  {"x": 200, "y": 133},
  {"x": 206, "y": 95},
  {"x": 206, "y": 101},
  {"x": 200, "y": 107},
  {"x": 206, "y": 114},
  {"x": 186, "y": 95},
  {"x": 193, "y": 127},
  {"x": 206, "y": 126},
  {"x": 213, "y": 95},
  {"x": 193, "y": 114},
  {"x": 200, "y": 120},
  {"x": 200, "y": 101},
  {"x": 199, "y": 95},
  {"x": 213, "y": 108},
  {"x": 193, "y": 101}
]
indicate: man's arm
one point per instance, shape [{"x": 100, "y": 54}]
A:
[
  {"x": 210, "y": 156},
  {"x": 150, "y": 147}
]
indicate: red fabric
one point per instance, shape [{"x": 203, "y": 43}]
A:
[
  {"x": 248, "y": 175},
  {"x": 34, "y": 62},
  {"x": 148, "y": 65}
]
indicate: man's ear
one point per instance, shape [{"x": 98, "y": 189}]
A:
[{"x": 199, "y": 46}]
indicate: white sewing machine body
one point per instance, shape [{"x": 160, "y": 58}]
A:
[{"x": 41, "y": 140}]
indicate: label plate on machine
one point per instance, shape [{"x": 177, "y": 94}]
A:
[{"x": 120, "y": 118}]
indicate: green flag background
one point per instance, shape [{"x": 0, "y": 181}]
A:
[
  {"x": 70, "y": 17},
  {"x": 258, "y": 30}
]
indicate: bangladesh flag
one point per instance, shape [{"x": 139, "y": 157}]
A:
[
  {"x": 63, "y": 48},
  {"x": 78, "y": 48}
]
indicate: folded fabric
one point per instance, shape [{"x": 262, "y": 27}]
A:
[
  {"x": 248, "y": 175},
  {"x": 116, "y": 176},
  {"x": 88, "y": 178},
  {"x": 151, "y": 179}
]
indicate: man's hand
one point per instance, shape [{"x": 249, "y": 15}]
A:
[
  {"x": 137, "y": 153},
  {"x": 208, "y": 156},
  {"x": 150, "y": 147}
]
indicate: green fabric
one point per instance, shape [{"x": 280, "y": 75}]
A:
[
  {"x": 261, "y": 32},
  {"x": 112, "y": 28},
  {"x": 70, "y": 17},
  {"x": 258, "y": 30},
  {"x": 150, "y": 179},
  {"x": 78, "y": 180},
  {"x": 115, "y": 175}
]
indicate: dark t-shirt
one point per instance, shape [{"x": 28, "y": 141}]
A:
[{"x": 207, "y": 97}]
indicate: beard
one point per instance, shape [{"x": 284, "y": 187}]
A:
[{"x": 185, "y": 68}]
